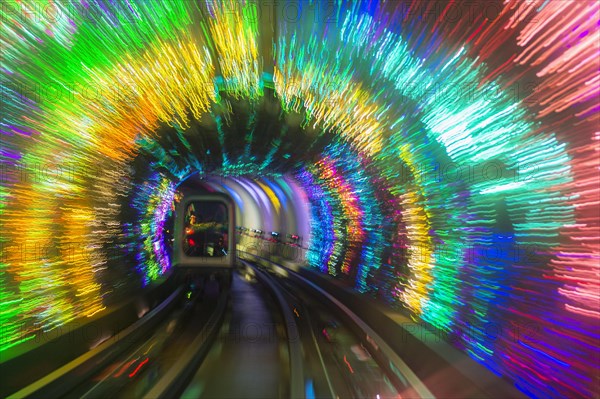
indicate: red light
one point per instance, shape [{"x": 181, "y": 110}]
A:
[
  {"x": 348, "y": 364},
  {"x": 125, "y": 367},
  {"x": 134, "y": 372}
]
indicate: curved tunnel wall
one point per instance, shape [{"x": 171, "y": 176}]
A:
[
  {"x": 275, "y": 204},
  {"x": 449, "y": 156}
]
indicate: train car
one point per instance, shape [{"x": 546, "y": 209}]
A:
[{"x": 204, "y": 232}]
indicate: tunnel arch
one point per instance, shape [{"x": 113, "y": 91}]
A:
[{"x": 106, "y": 130}]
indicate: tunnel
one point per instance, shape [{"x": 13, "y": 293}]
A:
[{"x": 431, "y": 168}]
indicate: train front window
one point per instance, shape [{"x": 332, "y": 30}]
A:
[{"x": 206, "y": 229}]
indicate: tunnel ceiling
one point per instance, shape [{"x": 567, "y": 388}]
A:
[
  {"x": 238, "y": 137},
  {"x": 446, "y": 155}
]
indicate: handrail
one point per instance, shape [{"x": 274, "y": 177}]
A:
[
  {"x": 294, "y": 345},
  {"x": 395, "y": 362},
  {"x": 63, "y": 379}
]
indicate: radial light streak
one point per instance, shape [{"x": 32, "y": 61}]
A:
[{"x": 461, "y": 183}]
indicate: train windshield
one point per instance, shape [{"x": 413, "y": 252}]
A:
[{"x": 206, "y": 229}]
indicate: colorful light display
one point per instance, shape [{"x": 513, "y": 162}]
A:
[
  {"x": 461, "y": 181},
  {"x": 153, "y": 201}
]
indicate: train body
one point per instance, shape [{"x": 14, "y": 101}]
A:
[{"x": 204, "y": 232}]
